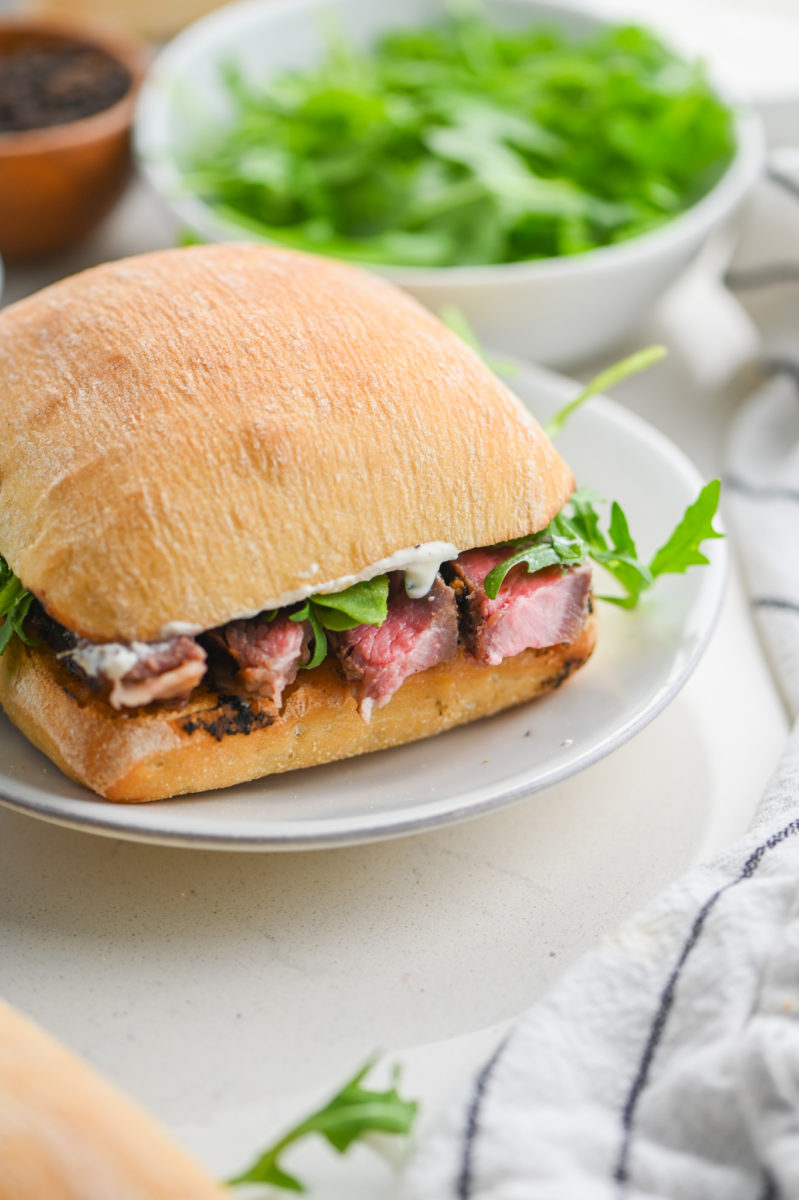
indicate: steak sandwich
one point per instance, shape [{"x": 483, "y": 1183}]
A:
[{"x": 249, "y": 502}]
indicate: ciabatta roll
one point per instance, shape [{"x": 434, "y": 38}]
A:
[{"x": 199, "y": 446}]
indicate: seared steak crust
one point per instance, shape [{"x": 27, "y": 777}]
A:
[{"x": 530, "y": 611}]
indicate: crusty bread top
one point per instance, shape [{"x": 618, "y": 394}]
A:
[{"x": 192, "y": 434}]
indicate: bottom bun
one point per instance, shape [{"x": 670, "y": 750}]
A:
[{"x": 217, "y": 740}]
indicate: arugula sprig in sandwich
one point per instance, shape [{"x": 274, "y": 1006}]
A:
[{"x": 260, "y": 511}]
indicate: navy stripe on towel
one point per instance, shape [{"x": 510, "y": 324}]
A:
[
  {"x": 668, "y": 996},
  {"x": 767, "y": 275},
  {"x": 786, "y": 182},
  {"x": 783, "y": 366},
  {"x": 463, "y": 1183},
  {"x": 757, "y": 491},
  {"x": 775, "y": 602}
]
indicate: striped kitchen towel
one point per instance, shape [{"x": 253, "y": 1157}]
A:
[{"x": 666, "y": 1063}]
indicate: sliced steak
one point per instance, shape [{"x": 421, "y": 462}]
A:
[
  {"x": 266, "y": 654},
  {"x": 530, "y": 611},
  {"x": 141, "y": 672},
  {"x": 415, "y": 635}
]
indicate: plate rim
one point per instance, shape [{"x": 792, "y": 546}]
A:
[{"x": 105, "y": 818}]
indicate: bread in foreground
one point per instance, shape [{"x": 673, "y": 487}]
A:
[
  {"x": 250, "y": 505},
  {"x": 67, "y": 1134}
]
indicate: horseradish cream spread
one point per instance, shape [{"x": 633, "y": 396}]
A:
[{"x": 419, "y": 563}]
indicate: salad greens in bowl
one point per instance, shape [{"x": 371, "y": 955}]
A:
[{"x": 547, "y": 172}]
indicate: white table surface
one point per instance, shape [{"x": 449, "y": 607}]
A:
[{"x": 227, "y": 992}]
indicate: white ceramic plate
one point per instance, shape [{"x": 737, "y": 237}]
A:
[{"x": 642, "y": 660}]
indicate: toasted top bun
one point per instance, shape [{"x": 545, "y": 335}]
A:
[{"x": 198, "y": 434}]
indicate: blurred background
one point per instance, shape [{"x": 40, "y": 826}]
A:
[{"x": 61, "y": 185}]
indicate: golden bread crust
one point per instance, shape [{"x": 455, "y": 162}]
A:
[
  {"x": 66, "y": 1133},
  {"x": 192, "y": 434},
  {"x": 214, "y": 741}
]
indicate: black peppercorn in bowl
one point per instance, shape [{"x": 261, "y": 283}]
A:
[{"x": 67, "y": 94}]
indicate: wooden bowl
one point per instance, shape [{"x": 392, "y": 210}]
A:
[{"x": 57, "y": 182}]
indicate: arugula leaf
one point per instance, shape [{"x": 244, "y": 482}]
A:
[
  {"x": 353, "y": 1113},
  {"x": 559, "y": 544},
  {"x": 190, "y": 237},
  {"x": 308, "y": 613},
  {"x": 537, "y": 556},
  {"x": 585, "y": 518},
  {"x": 364, "y": 603},
  {"x": 566, "y": 539},
  {"x": 14, "y": 604},
  {"x": 622, "y": 561},
  {"x": 575, "y": 534},
  {"x": 604, "y": 380},
  {"x": 456, "y": 321},
  {"x": 682, "y": 548}
]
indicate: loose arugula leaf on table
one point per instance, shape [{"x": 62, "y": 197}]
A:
[
  {"x": 352, "y": 1114},
  {"x": 14, "y": 604},
  {"x": 364, "y": 603}
]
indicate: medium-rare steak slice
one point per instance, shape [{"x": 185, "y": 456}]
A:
[
  {"x": 530, "y": 611},
  {"x": 139, "y": 673},
  {"x": 267, "y": 654},
  {"x": 415, "y": 635}
]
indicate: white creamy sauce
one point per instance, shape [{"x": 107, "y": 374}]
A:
[
  {"x": 420, "y": 564},
  {"x": 112, "y": 659},
  {"x": 421, "y": 570}
]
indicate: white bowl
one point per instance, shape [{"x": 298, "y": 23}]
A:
[{"x": 556, "y": 310}]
